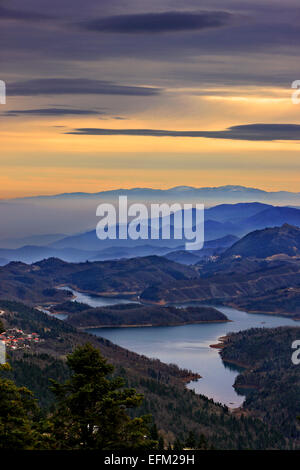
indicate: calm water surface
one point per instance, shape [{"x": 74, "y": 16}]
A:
[{"x": 188, "y": 345}]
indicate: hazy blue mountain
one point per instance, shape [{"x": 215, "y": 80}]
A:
[
  {"x": 225, "y": 220},
  {"x": 230, "y": 193},
  {"x": 76, "y": 212},
  {"x": 32, "y": 254},
  {"x": 36, "y": 240},
  {"x": 182, "y": 257},
  {"x": 89, "y": 240},
  {"x": 235, "y": 212},
  {"x": 273, "y": 216},
  {"x": 123, "y": 252},
  {"x": 232, "y": 220},
  {"x": 226, "y": 241},
  {"x": 212, "y": 247}
]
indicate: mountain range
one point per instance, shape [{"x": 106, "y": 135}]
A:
[
  {"x": 224, "y": 224},
  {"x": 220, "y": 221},
  {"x": 259, "y": 273},
  {"x": 210, "y": 248},
  {"x": 239, "y": 276},
  {"x": 230, "y": 193},
  {"x": 32, "y": 254},
  {"x": 72, "y": 213}
]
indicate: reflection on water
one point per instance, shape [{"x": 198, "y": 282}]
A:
[
  {"x": 96, "y": 301},
  {"x": 234, "y": 367}
]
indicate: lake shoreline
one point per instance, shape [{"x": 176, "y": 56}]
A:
[
  {"x": 149, "y": 325},
  {"x": 135, "y": 298},
  {"x": 221, "y": 342},
  {"x": 189, "y": 346}
]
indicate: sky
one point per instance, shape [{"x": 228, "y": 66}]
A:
[{"x": 119, "y": 94}]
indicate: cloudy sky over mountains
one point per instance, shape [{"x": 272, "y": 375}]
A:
[{"x": 114, "y": 93}]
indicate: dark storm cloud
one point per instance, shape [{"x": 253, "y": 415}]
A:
[
  {"x": 75, "y": 86},
  {"x": 254, "y": 132},
  {"x": 8, "y": 14},
  {"x": 169, "y": 21},
  {"x": 51, "y": 112}
]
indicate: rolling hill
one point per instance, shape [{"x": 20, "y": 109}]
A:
[
  {"x": 210, "y": 248},
  {"x": 261, "y": 264},
  {"x": 273, "y": 216},
  {"x": 267, "y": 242},
  {"x": 36, "y": 283},
  {"x": 142, "y": 315}
]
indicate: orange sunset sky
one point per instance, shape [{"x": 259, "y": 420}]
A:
[{"x": 72, "y": 76}]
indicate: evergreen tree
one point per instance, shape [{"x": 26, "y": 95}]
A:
[
  {"x": 17, "y": 411},
  {"x": 91, "y": 411}
]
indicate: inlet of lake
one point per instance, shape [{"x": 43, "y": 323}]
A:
[{"x": 188, "y": 346}]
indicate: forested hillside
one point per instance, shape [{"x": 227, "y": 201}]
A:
[
  {"x": 271, "y": 378},
  {"x": 176, "y": 410}
]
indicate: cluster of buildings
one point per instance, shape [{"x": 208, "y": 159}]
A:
[{"x": 17, "y": 339}]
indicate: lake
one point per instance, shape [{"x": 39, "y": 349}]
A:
[{"x": 188, "y": 346}]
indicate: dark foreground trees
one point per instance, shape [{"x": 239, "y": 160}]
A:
[
  {"x": 92, "y": 408},
  {"x": 17, "y": 412},
  {"x": 90, "y": 412}
]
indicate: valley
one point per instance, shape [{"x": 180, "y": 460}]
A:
[
  {"x": 176, "y": 410},
  {"x": 141, "y": 308}
]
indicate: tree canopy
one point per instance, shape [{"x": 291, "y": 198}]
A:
[
  {"x": 17, "y": 412},
  {"x": 91, "y": 411},
  {"x": 92, "y": 407}
]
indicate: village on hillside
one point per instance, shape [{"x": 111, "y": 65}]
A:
[{"x": 15, "y": 338}]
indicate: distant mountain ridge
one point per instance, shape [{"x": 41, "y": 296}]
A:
[
  {"x": 223, "y": 222},
  {"x": 210, "y": 248},
  {"x": 72, "y": 213},
  {"x": 33, "y": 254},
  {"x": 227, "y": 189},
  {"x": 274, "y": 216},
  {"x": 220, "y": 221},
  {"x": 34, "y": 240}
]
